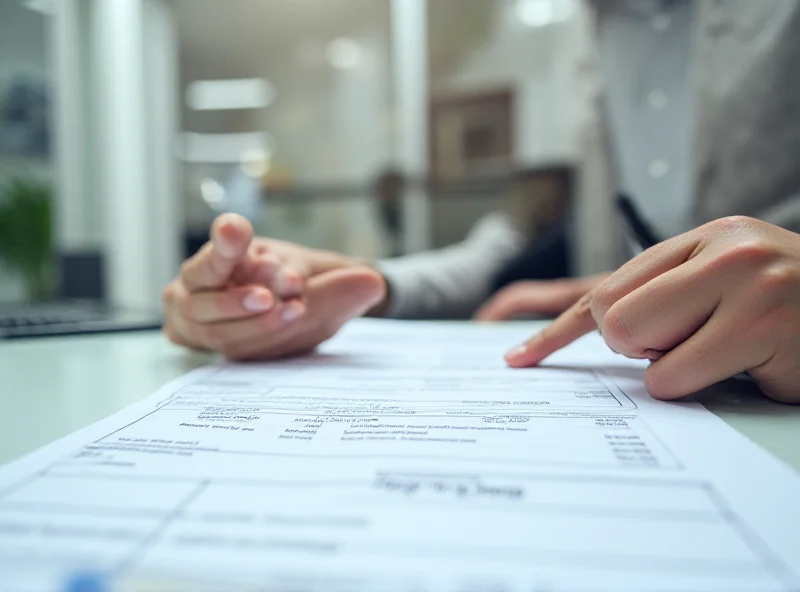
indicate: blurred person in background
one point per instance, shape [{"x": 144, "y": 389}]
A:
[
  {"x": 710, "y": 303},
  {"x": 453, "y": 281}
]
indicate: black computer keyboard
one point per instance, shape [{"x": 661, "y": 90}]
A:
[
  {"x": 37, "y": 316},
  {"x": 70, "y": 318}
]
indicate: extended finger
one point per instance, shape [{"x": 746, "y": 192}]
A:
[
  {"x": 214, "y": 264},
  {"x": 342, "y": 294},
  {"x": 333, "y": 298},
  {"x": 572, "y": 324},
  {"x": 223, "y": 305},
  {"x": 224, "y": 335}
]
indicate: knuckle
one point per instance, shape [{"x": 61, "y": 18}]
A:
[
  {"x": 616, "y": 331},
  {"x": 735, "y": 222},
  {"x": 585, "y": 305},
  {"x": 601, "y": 299},
  {"x": 755, "y": 251},
  {"x": 779, "y": 279},
  {"x": 732, "y": 224},
  {"x": 747, "y": 253}
]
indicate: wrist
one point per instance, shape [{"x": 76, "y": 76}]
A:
[{"x": 380, "y": 309}]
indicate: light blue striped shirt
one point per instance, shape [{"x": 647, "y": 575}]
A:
[{"x": 645, "y": 58}]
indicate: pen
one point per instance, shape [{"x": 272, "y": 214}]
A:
[{"x": 638, "y": 229}]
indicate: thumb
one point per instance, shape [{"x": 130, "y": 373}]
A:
[
  {"x": 214, "y": 264},
  {"x": 339, "y": 295}
]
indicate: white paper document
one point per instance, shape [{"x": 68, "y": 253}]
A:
[{"x": 406, "y": 456}]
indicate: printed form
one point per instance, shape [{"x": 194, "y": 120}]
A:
[{"x": 405, "y": 456}]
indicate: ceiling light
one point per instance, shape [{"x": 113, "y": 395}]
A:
[
  {"x": 344, "y": 53},
  {"x": 540, "y": 13},
  {"x": 256, "y": 163},
  {"x": 243, "y": 93},
  {"x": 224, "y": 148},
  {"x": 213, "y": 193}
]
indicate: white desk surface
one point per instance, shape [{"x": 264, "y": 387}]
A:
[{"x": 52, "y": 387}]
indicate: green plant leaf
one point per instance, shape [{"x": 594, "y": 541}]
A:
[{"x": 26, "y": 237}]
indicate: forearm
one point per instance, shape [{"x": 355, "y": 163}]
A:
[
  {"x": 450, "y": 282},
  {"x": 422, "y": 293}
]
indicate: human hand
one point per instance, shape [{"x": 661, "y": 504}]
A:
[
  {"x": 253, "y": 298},
  {"x": 536, "y": 297},
  {"x": 704, "y": 306}
]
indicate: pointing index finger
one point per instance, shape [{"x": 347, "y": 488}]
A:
[
  {"x": 214, "y": 264},
  {"x": 572, "y": 324}
]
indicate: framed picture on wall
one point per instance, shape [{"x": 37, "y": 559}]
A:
[
  {"x": 471, "y": 135},
  {"x": 24, "y": 117}
]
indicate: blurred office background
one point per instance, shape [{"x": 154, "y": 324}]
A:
[{"x": 372, "y": 127}]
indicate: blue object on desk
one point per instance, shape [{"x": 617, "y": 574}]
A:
[{"x": 86, "y": 582}]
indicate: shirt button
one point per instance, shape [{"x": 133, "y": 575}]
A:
[
  {"x": 658, "y": 168},
  {"x": 657, "y": 99},
  {"x": 661, "y": 22}
]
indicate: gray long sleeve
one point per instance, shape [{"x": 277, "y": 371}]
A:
[{"x": 451, "y": 282}]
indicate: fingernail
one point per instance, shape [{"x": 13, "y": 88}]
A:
[
  {"x": 292, "y": 313},
  {"x": 227, "y": 239},
  {"x": 516, "y": 352},
  {"x": 258, "y": 301},
  {"x": 286, "y": 283}
]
